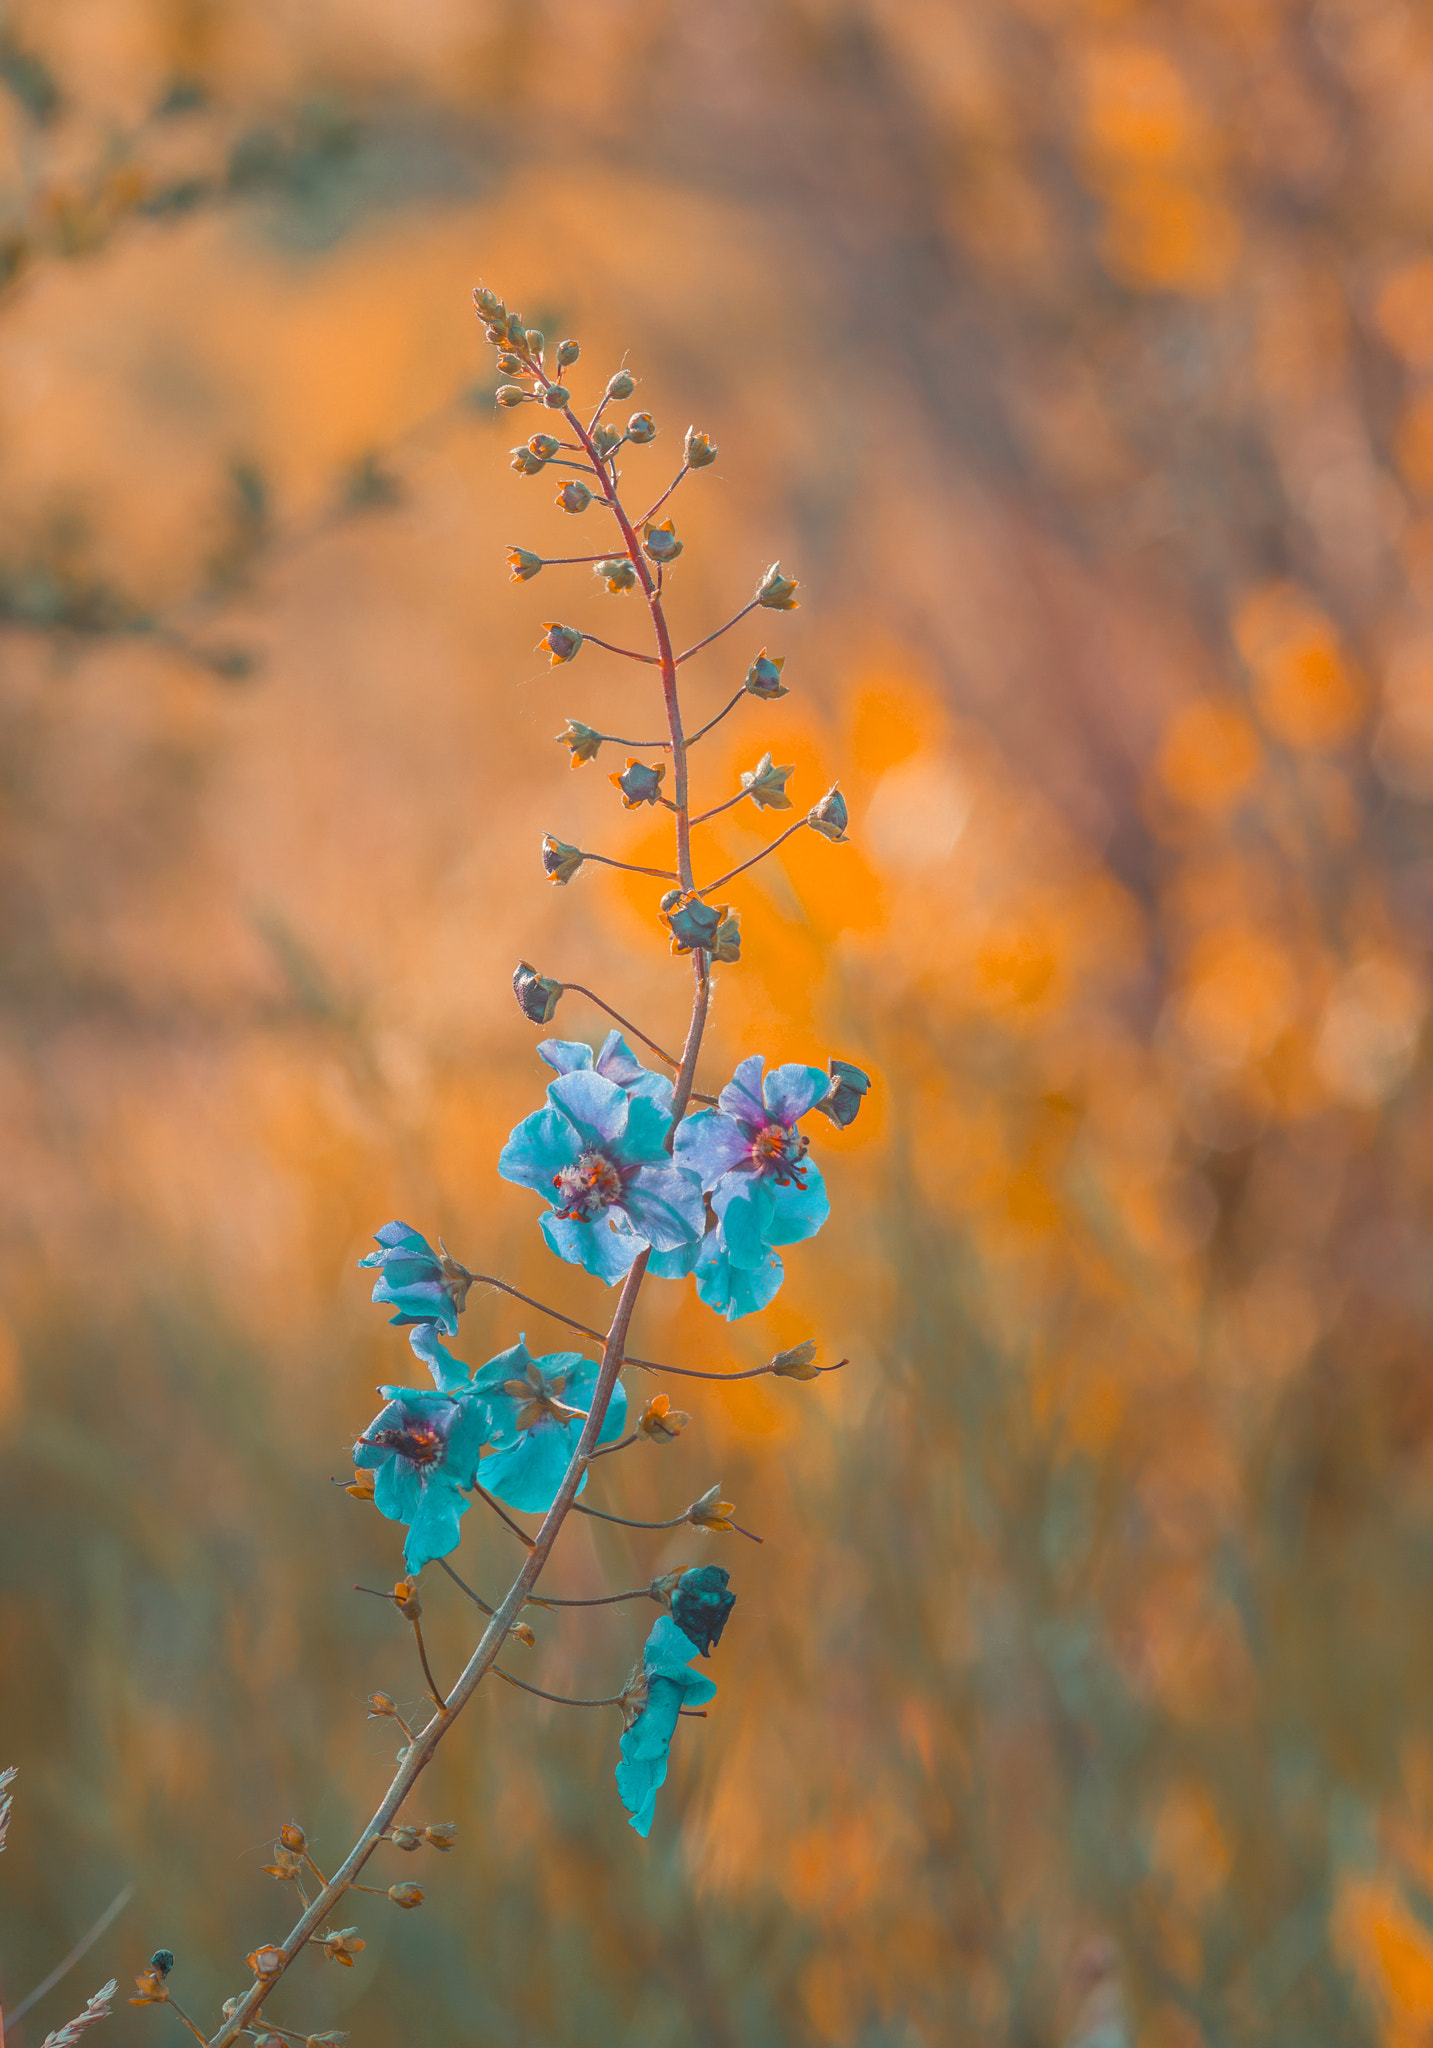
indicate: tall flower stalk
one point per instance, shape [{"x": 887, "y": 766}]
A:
[{"x": 638, "y": 1184}]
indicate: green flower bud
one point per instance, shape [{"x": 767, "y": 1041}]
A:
[
  {"x": 497, "y": 335},
  {"x": 618, "y": 574},
  {"x": 511, "y": 394},
  {"x": 560, "y": 862},
  {"x": 487, "y": 303},
  {"x": 777, "y": 592},
  {"x": 526, "y": 463},
  {"x": 693, "y": 924},
  {"x": 638, "y": 783},
  {"x": 556, "y": 396},
  {"x": 697, "y": 450},
  {"x": 620, "y": 386},
  {"x": 585, "y": 743},
  {"x": 561, "y": 642},
  {"x": 763, "y": 678},
  {"x": 511, "y": 365},
  {"x": 574, "y": 496},
  {"x": 830, "y": 817},
  {"x": 544, "y": 446},
  {"x": 728, "y": 941},
  {"x": 536, "y": 341},
  {"x": 641, "y": 428},
  {"x": 523, "y": 565},
  {"x": 567, "y": 354},
  {"x": 848, "y": 1085},
  {"x": 537, "y": 996},
  {"x": 605, "y": 439},
  {"x": 766, "y": 785},
  {"x": 516, "y": 332},
  {"x": 660, "y": 543}
]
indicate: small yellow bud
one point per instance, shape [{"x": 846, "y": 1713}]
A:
[{"x": 406, "y": 1895}]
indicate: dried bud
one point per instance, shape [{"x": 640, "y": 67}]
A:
[
  {"x": 727, "y": 949},
  {"x": 660, "y": 543},
  {"x": 662, "y": 1589},
  {"x": 660, "y": 1421},
  {"x": 510, "y": 365},
  {"x": 523, "y": 1633},
  {"x": 440, "y": 1834},
  {"x": 766, "y": 785},
  {"x": 556, "y": 396},
  {"x": 267, "y": 1961},
  {"x": 406, "y": 1895},
  {"x": 361, "y": 1486},
  {"x": 777, "y": 592},
  {"x": 574, "y": 496},
  {"x": 149, "y": 1985},
  {"x": 526, "y": 463},
  {"x": 638, "y": 783},
  {"x": 641, "y": 428},
  {"x": 692, "y": 923},
  {"x": 486, "y": 302},
  {"x": 544, "y": 446},
  {"x": 620, "y": 386},
  {"x": 633, "y": 1697},
  {"x": 701, "y": 1605},
  {"x": 292, "y": 1836},
  {"x": 711, "y": 1511},
  {"x": 343, "y": 1946},
  {"x": 333, "y": 2039},
  {"x": 511, "y": 394},
  {"x": 381, "y": 1707},
  {"x": 560, "y": 861},
  {"x": 567, "y": 354},
  {"x": 584, "y": 740},
  {"x": 605, "y": 439},
  {"x": 698, "y": 450},
  {"x": 763, "y": 678},
  {"x": 830, "y": 817},
  {"x": 536, "y": 341},
  {"x": 797, "y": 1364},
  {"x": 405, "y": 1593},
  {"x": 537, "y": 996},
  {"x": 286, "y": 1865},
  {"x": 618, "y": 574},
  {"x": 561, "y": 642},
  {"x": 848, "y": 1085},
  {"x": 407, "y": 1839},
  {"x": 162, "y": 1962},
  {"x": 523, "y": 565}
]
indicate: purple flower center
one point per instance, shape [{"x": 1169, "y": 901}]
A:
[
  {"x": 417, "y": 1438},
  {"x": 778, "y": 1150},
  {"x": 587, "y": 1187}
]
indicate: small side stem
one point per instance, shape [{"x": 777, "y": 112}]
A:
[
  {"x": 702, "y": 730},
  {"x": 433, "y": 1686},
  {"x": 601, "y": 1516},
  {"x": 561, "y": 1698},
  {"x": 502, "y": 1514},
  {"x": 661, "y": 874},
  {"x": 732, "y": 873},
  {"x": 700, "y": 644}
]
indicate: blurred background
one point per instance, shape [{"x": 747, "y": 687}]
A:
[{"x": 1077, "y": 355}]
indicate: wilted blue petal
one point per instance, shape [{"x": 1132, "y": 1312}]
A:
[
  {"x": 411, "y": 1278},
  {"x": 539, "y": 1148},
  {"x": 789, "y": 1092},
  {"x": 709, "y": 1145},
  {"x": 672, "y": 1684},
  {"x": 606, "y": 1248},
  {"x": 799, "y": 1212}
]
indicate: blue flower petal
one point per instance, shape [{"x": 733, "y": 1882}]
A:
[
  {"x": 449, "y": 1373},
  {"x": 745, "y": 1207},
  {"x": 645, "y": 1746},
  {"x": 540, "y": 1147},
  {"x": 529, "y": 1471},
  {"x": 664, "y": 1206},
  {"x": 605, "y": 1248},
  {"x": 799, "y": 1212},
  {"x": 734, "y": 1291},
  {"x": 741, "y": 1097},
  {"x": 567, "y": 1055},
  {"x": 619, "y": 1063},
  {"x": 709, "y": 1145},
  {"x": 594, "y": 1106},
  {"x": 788, "y": 1092},
  {"x": 434, "y": 1530},
  {"x": 644, "y": 1142},
  {"x": 675, "y": 1265}
]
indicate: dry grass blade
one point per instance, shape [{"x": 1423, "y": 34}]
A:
[
  {"x": 97, "y": 2009},
  {"x": 7, "y": 1779}
]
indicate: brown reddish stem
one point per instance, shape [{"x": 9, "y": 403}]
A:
[{"x": 732, "y": 873}]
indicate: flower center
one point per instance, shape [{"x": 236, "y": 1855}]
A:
[
  {"x": 420, "y": 1442},
  {"x": 587, "y": 1187},
  {"x": 779, "y": 1151}
]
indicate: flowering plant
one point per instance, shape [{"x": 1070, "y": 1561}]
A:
[{"x": 642, "y": 1178}]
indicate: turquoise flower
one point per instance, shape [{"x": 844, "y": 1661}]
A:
[
  {"x": 535, "y": 1409},
  {"x": 654, "y": 1698},
  {"x": 730, "y": 1290},
  {"x": 423, "y": 1285},
  {"x": 598, "y": 1154},
  {"x": 423, "y": 1451},
  {"x": 614, "y": 1060}
]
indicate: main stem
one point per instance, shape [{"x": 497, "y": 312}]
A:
[{"x": 421, "y": 1751}]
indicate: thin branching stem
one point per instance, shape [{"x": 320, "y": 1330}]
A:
[
  {"x": 653, "y": 510},
  {"x": 563, "y": 1699},
  {"x": 573, "y": 562},
  {"x": 576, "y": 988},
  {"x": 502, "y": 1514},
  {"x": 433, "y": 1685},
  {"x": 631, "y": 653},
  {"x": 601, "y": 1515},
  {"x": 697, "y": 647},
  {"x": 661, "y": 874},
  {"x": 702, "y": 730},
  {"x": 474, "y": 1597},
  {"x": 717, "y": 809},
  {"x": 606, "y": 1450},
  {"x": 594, "y": 1600},
  {"x": 731, "y": 874}
]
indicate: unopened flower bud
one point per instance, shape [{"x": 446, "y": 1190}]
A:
[
  {"x": 526, "y": 463},
  {"x": 618, "y": 574},
  {"x": 407, "y": 1839},
  {"x": 381, "y": 1707},
  {"x": 292, "y": 1836},
  {"x": 560, "y": 861},
  {"x": 777, "y": 592},
  {"x": 229, "y": 2008},
  {"x": 162, "y": 1962},
  {"x": 285, "y": 1866},
  {"x": 537, "y": 996},
  {"x": 574, "y": 495},
  {"x": 830, "y": 817},
  {"x": 638, "y": 783},
  {"x": 662, "y": 1588},
  {"x": 556, "y": 396},
  {"x": 406, "y": 1895},
  {"x": 511, "y": 394},
  {"x": 486, "y": 302},
  {"x": 523, "y": 565},
  {"x": 343, "y": 1946},
  {"x": 641, "y": 428},
  {"x": 440, "y": 1834},
  {"x": 848, "y": 1085},
  {"x": 510, "y": 365},
  {"x": 515, "y": 331},
  {"x": 765, "y": 784},
  {"x": 544, "y": 446},
  {"x": 524, "y": 1634},
  {"x": 698, "y": 450},
  {"x": 763, "y": 678},
  {"x": 701, "y": 1605},
  {"x": 567, "y": 353},
  {"x": 605, "y": 439},
  {"x": 692, "y": 923},
  {"x": 561, "y": 642},
  {"x": 711, "y": 1511},
  {"x": 497, "y": 334},
  {"x": 660, "y": 543},
  {"x": 361, "y": 1486},
  {"x": 620, "y": 386},
  {"x": 266, "y": 1961},
  {"x": 660, "y": 1421},
  {"x": 536, "y": 341},
  {"x": 405, "y": 1593},
  {"x": 584, "y": 740},
  {"x": 799, "y": 1363},
  {"x": 727, "y": 949}
]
